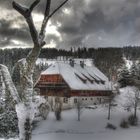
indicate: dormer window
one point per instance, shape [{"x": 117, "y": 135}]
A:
[
  {"x": 90, "y": 80},
  {"x": 82, "y": 79},
  {"x": 97, "y": 81},
  {"x": 103, "y": 82}
]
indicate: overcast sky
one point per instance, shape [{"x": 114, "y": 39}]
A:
[{"x": 90, "y": 23}]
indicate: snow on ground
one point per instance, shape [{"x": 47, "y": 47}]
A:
[
  {"x": 91, "y": 127},
  {"x": 9, "y": 139}
]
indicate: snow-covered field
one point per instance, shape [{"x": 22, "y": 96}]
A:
[{"x": 91, "y": 127}]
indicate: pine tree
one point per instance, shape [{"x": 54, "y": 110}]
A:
[
  {"x": 135, "y": 74},
  {"x": 124, "y": 77},
  {"x": 130, "y": 77}
]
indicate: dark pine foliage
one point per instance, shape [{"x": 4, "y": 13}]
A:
[{"x": 108, "y": 60}]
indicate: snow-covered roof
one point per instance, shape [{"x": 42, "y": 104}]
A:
[{"x": 80, "y": 78}]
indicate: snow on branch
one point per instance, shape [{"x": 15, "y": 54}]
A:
[{"x": 9, "y": 83}]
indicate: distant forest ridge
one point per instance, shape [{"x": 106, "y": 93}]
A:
[{"x": 106, "y": 59}]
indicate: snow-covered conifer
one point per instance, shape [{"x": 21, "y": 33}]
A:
[{"x": 124, "y": 77}]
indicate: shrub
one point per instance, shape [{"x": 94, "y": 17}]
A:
[
  {"x": 44, "y": 109},
  {"x": 132, "y": 120},
  {"x": 124, "y": 124},
  {"x": 8, "y": 124},
  {"x": 111, "y": 126}
]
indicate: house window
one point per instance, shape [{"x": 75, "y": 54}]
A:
[
  {"x": 75, "y": 100},
  {"x": 65, "y": 100}
]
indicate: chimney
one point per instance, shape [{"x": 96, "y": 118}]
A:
[
  {"x": 71, "y": 62},
  {"x": 82, "y": 64}
]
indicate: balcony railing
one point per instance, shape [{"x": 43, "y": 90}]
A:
[{"x": 52, "y": 85}]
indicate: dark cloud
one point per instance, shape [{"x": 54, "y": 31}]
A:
[
  {"x": 96, "y": 23},
  {"x": 69, "y": 29},
  {"x": 8, "y": 33},
  {"x": 102, "y": 23}
]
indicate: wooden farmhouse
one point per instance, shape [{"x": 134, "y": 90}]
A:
[{"x": 72, "y": 81}]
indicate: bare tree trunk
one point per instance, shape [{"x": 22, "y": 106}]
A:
[
  {"x": 79, "y": 114},
  {"x": 109, "y": 109},
  {"x": 136, "y": 102},
  {"x": 79, "y": 108},
  {"x": 135, "y": 108},
  {"x": 58, "y": 108},
  {"x": 27, "y": 65},
  {"x": 28, "y": 129}
]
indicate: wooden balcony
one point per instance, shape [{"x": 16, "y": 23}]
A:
[{"x": 51, "y": 85}]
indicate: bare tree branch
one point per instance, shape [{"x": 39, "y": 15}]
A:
[
  {"x": 33, "y": 5},
  {"x": 37, "y": 40},
  {"x": 47, "y": 10},
  {"x": 33, "y": 31},
  {"x": 44, "y": 23},
  {"x": 26, "y": 12},
  {"x": 21, "y": 9},
  {"x": 47, "y": 17},
  {"x": 57, "y": 9}
]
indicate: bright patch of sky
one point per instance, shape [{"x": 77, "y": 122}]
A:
[
  {"x": 67, "y": 11},
  {"x": 52, "y": 29},
  {"x": 52, "y": 44}
]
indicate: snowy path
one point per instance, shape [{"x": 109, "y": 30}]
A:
[{"x": 91, "y": 127}]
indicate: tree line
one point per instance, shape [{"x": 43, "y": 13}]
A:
[{"x": 108, "y": 60}]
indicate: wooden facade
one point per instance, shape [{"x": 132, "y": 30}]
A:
[{"x": 55, "y": 85}]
